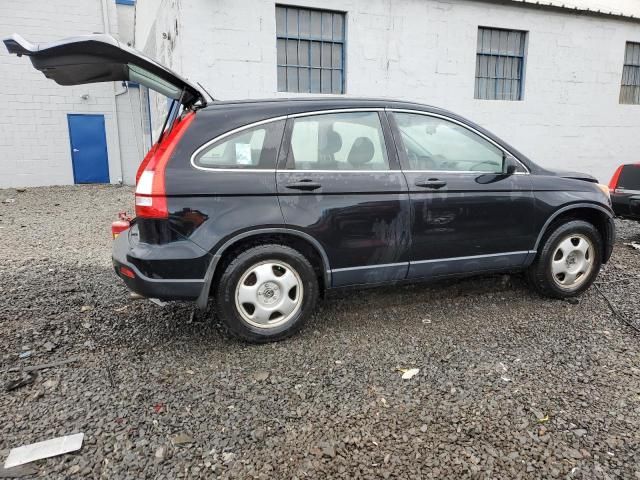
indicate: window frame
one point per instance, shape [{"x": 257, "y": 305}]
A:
[
  {"x": 311, "y": 38},
  {"x": 404, "y": 160},
  {"x": 282, "y": 155},
  {"x": 285, "y": 162},
  {"x": 222, "y": 138},
  {"x": 634, "y": 67},
  {"x": 521, "y": 71},
  {"x": 396, "y": 154}
]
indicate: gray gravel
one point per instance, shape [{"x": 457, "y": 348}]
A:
[{"x": 510, "y": 385}]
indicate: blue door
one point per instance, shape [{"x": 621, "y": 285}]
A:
[{"x": 88, "y": 148}]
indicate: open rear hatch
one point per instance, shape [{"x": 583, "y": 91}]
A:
[{"x": 101, "y": 58}]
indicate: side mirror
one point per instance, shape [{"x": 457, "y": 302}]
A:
[{"x": 509, "y": 165}]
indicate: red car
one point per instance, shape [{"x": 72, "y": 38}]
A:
[{"x": 625, "y": 191}]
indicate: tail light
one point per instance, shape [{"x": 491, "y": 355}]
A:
[
  {"x": 151, "y": 198},
  {"x": 118, "y": 227},
  {"x": 613, "y": 183},
  {"x": 127, "y": 272},
  {"x": 145, "y": 161}
]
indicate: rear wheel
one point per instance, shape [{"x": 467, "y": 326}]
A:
[
  {"x": 266, "y": 293},
  {"x": 569, "y": 260}
]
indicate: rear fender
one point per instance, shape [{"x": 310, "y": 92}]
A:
[{"x": 201, "y": 303}]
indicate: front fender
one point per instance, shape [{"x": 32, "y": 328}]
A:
[{"x": 607, "y": 228}]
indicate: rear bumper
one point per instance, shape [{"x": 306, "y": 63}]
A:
[{"x": 162, "y": 288}]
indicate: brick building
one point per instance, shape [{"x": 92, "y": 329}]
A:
[
  {"x": 547, "y": 78},
  {"x": 560, "y": 81},
  {"x": 40, "y": 117}
]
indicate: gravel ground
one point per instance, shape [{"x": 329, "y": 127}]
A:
[{"x": 510, "y": 385}]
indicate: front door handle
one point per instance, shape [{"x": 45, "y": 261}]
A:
[
  {"x": 430, "y": 183},
  {"x": 304, "y": 184}
]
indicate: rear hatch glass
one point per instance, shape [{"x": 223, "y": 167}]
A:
[{"x": 630, "y": 177}]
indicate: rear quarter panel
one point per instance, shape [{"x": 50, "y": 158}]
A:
[{"x": 224, "y": 202}]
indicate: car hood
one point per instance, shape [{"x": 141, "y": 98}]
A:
[
  {"x": 101, "y": 58},
  {"x": 573, "y": 175}
]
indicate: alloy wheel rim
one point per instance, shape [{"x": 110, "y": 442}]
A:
[
  {"x": 269, "y": 294},
  {"x": 572, "y": 261}
]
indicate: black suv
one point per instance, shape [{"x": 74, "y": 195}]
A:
[{"x": 265, "y": 205}]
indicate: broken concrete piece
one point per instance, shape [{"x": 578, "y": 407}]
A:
[
  {"x": 25, "y": 379},
  {"x": 261, "y": 375},
  {"x": 634, "y": 245},
  {"x": 409, "y": 373},
  {"x": 181, "y": 439},
  {"x": 161, "y": 452},
  {"x": 45, "y": 449}
]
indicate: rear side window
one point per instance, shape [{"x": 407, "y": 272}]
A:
[
  {"x": 338, "y": 141},
  {"x": 629, "y": 177},
  {"x": 252, "y": 148}
]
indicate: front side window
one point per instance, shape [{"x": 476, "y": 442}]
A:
[
  {"x": 254, "y": 148},
  {"x": 310, "y": 47},
  {"x": 435, "y": 144},
  {"x": 630, "y": 87},
  {"x": 499, "y": 64},
  {"x": 340, "y": 141}
]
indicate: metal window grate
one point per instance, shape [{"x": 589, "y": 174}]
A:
[
  {"x": 499, "y": 64},
  {"x": 630, "y": 85},
  {"x": 310, "y": 50}
]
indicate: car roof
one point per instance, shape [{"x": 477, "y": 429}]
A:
[
  {"x": 238, "y": 113},
  {"x": 303, "y": 104}
]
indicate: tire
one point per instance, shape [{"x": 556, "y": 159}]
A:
[
  {"x": 566, "y": 250},
  {"x": 266, "y": 293}
]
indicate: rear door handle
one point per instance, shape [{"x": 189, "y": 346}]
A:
[
  {"x": 430, "y": 183},
  {"x": 304, "y": 184}
]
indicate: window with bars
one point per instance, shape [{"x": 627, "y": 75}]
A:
[
  {"x": 630, "y": 86},
  {"x": 310, "y": 50},
  {"x": 499, "y": 64}
]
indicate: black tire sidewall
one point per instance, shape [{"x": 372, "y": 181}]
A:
[
  {"x": 225, "y": 297},
  {"x": 543, "y": 269}
]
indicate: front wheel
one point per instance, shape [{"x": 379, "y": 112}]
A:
[
  {"x": 266, "y": 293},
  {"x": 569, "y": 260}
]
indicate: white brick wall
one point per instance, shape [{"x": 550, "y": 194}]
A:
[
  {"x": 161, "y": 17},
  {"x": 34, "y": 136},
  {"x": 131, "y": 133},
  {"x": 425, "y": 50}
]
